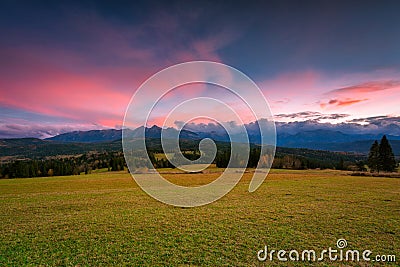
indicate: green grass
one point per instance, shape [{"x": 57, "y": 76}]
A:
[{"x": 104, "y": 219}]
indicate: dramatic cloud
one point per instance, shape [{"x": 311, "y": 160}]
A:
[
  {"x": 17, "y": 123},
  {"x": 93, "y": 82},
  {"x": 210, "y": 127},
  {"x": 310, "y": 115},
  {"x": 368, "y": 87},
  {"x": 381, "y": 121},
  {"x": 371, "y": 125},
  {"x": 379, "y": 94},
  {"x": 41, "y": 130},
  {"x": 350, "y": 95},
  {"x": 81, "y": 63},
  {"x": 314, "y": 121},
  {"x": 341, "y": 103}
]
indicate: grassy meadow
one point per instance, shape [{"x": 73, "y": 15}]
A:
[{"x": 105, "y": 219}]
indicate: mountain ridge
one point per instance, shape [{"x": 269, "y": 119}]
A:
[{"x": 320, "y": 139}]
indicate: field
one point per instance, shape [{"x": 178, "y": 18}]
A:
[{"x": 105, "y": 219}]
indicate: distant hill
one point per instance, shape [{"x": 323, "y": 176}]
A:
[
  {"x": 335, "y": 141},
  {"x": 93, "y": 136},
  {"x": 32, "y": 148},
  {"x": 155, "y": 132},
  {"x": 320, "y": 139},
  {"x": 97, "y": 136},
  {"x": 326, "y": 136},
  {"x": 356, "y": 146},
  {"x": 36, "y": 148}
]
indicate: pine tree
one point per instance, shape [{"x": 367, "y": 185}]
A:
[
  {"x": 386, "y": 160},
  {"x": 373, "y": 157}
]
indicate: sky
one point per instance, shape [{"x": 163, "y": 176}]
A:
[{"x": 74, "y": 65}]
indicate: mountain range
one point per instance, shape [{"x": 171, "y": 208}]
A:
[{"x": 319, "y": 139}]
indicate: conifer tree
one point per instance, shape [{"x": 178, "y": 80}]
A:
[
  {"x": 386, "y": 160},
  {"x": 373, "y": 157}
]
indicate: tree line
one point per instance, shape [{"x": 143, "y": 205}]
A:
[
  {"x": 380, "y": 158},
  {"x": 294, "y": 161},
  {"x": 61, "y": 166}
]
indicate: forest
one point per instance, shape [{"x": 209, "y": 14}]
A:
[{"x": 114, "y": 161}]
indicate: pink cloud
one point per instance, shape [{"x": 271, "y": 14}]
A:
[
  {"x": 38, "y": 85},
  {"x": 341, "y": 103},
  {"x": 312, "y": 90},
  {"x": 378, "y": 93},
  {"x": 367, "y": 87},
  {"x": 290, "y": 92},
  {"x": 95, "y": 83}
]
